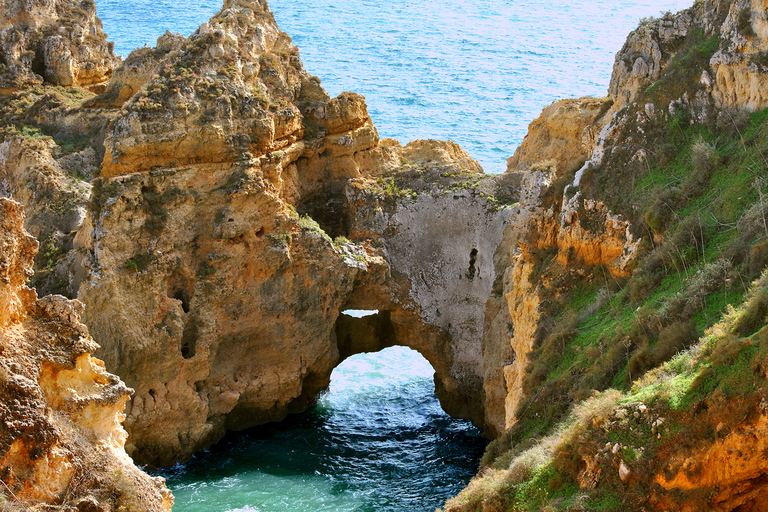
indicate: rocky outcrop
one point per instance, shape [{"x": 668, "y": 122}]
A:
[
  {"x": 60, "y": 42},
  {"x": 740, "y": 68},
  {"x": 220, "y": 229},
  {"x": 57, "y": 192},
  {"x": 240, "y": 210},
  {"x": 731, "y": 37},
  {"x": 61, "y": 439},
  {"x": 564, "y": 133}
]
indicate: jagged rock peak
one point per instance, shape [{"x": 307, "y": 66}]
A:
[
  {"x": 730, "y": 34},
  {"x": 61, "y": 42},
  {"x": 227, "y": 94}
]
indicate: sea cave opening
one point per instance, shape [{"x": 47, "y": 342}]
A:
[{"x": 377, "y": 439}]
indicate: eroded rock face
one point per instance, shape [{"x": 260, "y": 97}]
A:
[
  {"x": 730, "y": 470},
  {"x": 740, "y": 69},
  {"x": 564, "y": 133},
  {"x": 737, "y": 71},
  {"x": 57, "y": 41},
  {"x": 208, "y": 262},
  {"x": 61, "y": 439},
  {"x": 222, "y": 306}
]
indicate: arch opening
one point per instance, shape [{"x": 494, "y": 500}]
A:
[
  {"x": 393, "y": 373},
  {"x": 460, "y": 394}
]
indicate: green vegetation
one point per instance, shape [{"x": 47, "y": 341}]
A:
[
  {"x": 155, "y": 205},
  {"x": 307, "y": 223},
  {"x": 140, "y": 262},
  {"x": 204, "y": 270}
]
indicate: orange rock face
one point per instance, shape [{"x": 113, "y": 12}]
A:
[
  {"x": 61, "y": 439},
  {"x": 59, "y": 41},
  {"x": 565, "y": 133}
]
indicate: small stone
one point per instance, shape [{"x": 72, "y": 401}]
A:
[
  {"x": 636, "y": 414},
  {"x": 642, "y": 408},
  {"x": 616, "y": 448},
  {"x": 624, "y": 472}
]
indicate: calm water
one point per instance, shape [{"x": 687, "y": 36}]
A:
[
  {"x": 377, "y": 441},
  {"x": 473, "y": 72}
]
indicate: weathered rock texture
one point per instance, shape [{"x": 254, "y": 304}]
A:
[
  {"x": 61, "y": 441},
  {"x": 736, "y": 74},
  {"x": 214, "y": 299},
  {"x": 240, "y": 210},
  {"x": 37, "y": 46},
  {"x": 702, "y": 67},
  {"x": 565, "y": 133}
]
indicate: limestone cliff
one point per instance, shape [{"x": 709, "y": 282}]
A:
[
  {"x": 565, "y": 133},
  {"x": 218, "y": 241},
  {"x": 237, "y": 211},
  {"x": 61, "y": 439}
]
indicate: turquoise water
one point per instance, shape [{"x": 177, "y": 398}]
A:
[
  {"x": 474, "y": 72},
  {"x": 376, "y": 441}
]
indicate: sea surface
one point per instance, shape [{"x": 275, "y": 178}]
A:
[{"x": 474, "y": 72}]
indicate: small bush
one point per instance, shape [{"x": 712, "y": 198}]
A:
[
  {"x": 731, "y": 121},
  {"x": 754, "y": 316},
  {"x": 139, "y": 263},
  {"x": 665, "y": 153},
  {"x": 744, "y": 23},
  {"x": 672, "y": 339},
  {"x": 204, "y": 270},
  {"x": 705, "y": 159},
  {"x": 758, "y": 257},
  {"x": 661, "y": 211}
]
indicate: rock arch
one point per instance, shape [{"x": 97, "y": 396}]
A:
[{"x": 398, "y": 327}]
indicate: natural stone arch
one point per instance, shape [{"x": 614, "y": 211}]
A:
[{"x": 460, "y": 398}]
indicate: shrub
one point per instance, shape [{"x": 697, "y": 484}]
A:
[
  {"x": 758, "y": 257},
  {"x": 661, "y": 210},
  {"x": 754, "y": 316},
  {"x": 731, "y": 121},
  {"x": 672, "y": 339},
  {"x": 744, "y": 23}
]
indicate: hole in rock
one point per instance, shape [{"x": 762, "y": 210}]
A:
[
  {"x": 189, "y": 340},
  {"x": 369, "y": 332},
  {"x": 328, "y": 207},
  {"x": 360, "y": 313},
  {"x": 472, "y": 261},
  {"x": 183, "y": 296},
  {"x": 38, "y": 63},
  {"x": 377, "y": 435},
  {"x": 260, "y": 233}
]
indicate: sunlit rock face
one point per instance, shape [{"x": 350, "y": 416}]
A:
[
  {"x": 58, "y": 41},
  {"x": 61, "y": 439},
  {"x": 214, "y": 284},
  {"x": 239, "y": 210}
]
